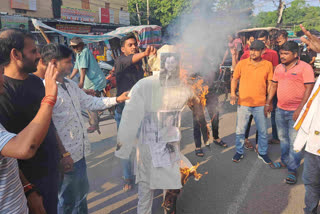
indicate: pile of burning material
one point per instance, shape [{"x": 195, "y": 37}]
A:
[{"x": 187, "y": 172}]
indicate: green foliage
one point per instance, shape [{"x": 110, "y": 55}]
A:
[
  {"x": 299, "y": 12},
  {"x": 162, "y": 12}
]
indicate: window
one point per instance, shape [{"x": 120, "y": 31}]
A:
[{"x": 85, "y": 4}]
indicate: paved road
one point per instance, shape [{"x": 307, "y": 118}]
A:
[{"x": 248, "y": 187}]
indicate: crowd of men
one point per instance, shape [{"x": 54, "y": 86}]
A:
[{"x": 44, "y": 142}]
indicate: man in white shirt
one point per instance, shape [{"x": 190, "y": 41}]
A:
[
  {"x": 71, "y": 127},
  {"x": 308, "y": 136}
]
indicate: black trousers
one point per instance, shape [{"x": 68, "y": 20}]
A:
[{"x": 200, "y": 123}]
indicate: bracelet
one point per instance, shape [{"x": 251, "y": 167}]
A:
[
  {"x": 54, "y": 97},
  {"x": 267, "y": 105},
  {"x": 49, "y": 100},
  {"x": 67, "y": 154},
  {"x": 27, "y": 185}
]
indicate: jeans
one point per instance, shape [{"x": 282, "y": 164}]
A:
[
  {"x": 273, "y": 119},
  {"x": 311, "y": 180},
  {"x": 48, "y": 187},
  {"x": 287, "y": 134},
  {"x": 74, "y": 190},
  {"x": 243, "y": 115},
  {"x": 126, "y": 163}
]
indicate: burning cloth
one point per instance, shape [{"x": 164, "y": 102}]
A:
[{"x": 153, "y": 113}]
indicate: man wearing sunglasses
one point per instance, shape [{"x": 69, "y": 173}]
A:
[{"x": 91, "y": 76}]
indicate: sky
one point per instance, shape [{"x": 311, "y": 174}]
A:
[{"x": 268, "y": 5}]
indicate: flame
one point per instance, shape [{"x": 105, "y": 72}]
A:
[
  {"x": 186, "y": 172},
  {"x": 197, "y": 85},
  {"x": 201, "y": 90}
]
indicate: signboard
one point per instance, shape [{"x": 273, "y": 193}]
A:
[
  {"x": 100, "y": 30},
  {"x": 111, "y": 13},
  {"x": 124, "y": 18},
  {"x": 104, "y": 15},
  {"x": 79, "y": 29},
  {"x": 24, "y": 4},
  {"x": 75, "y": 14},
  {"x": 15, "y": 22}
]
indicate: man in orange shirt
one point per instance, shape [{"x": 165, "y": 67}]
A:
[
  {"x": 293, "y": 82},
  {"x": 254, "y": 75}
]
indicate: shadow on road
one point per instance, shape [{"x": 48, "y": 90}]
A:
[{"x": 246, "y": 187}]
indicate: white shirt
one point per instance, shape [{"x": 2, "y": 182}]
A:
[{"x": 68, "y": 120}]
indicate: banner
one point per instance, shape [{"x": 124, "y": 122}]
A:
[
  {"x": 79, "y": 29},
  {"x": 124, "y": 18},
  {"x": 15, "y": 22},
  {"x": 111, "y": 13},
  {"x": 75, "y": 14},
  {"x": 24, "y": 4},
  {"x": 104, "y": 15}
]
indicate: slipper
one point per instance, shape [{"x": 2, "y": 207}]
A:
[
  {"x": 127, "y": 185},
  {"x": 199, "y": 152},
  {"x": 221, "y": 143},
  {"x": 248, "y": 145},
  {"x": 277, "y": 165},
  {"x": 291, "y": 179}
]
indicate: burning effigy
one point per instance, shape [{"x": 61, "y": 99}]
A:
[{"x": 154, "y": 110}]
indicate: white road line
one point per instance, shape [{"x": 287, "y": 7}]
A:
[{"x": 240, "y": 197}]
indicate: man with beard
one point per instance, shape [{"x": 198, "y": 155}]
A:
[
  {"x": 128, "y": 71},
  {"x": 19, "y": 104},
  {"x": 70, "y": 125},
  {"x": 254, "y": 74},
  {"x": 293, "y": 82},
  {"x": 23, "y": 146}
]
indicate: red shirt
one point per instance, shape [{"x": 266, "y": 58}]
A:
[
  {"x": 269, "y": 55},
  {"x": 291, "y": 84}
]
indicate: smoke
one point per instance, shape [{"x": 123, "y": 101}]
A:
[{"x": 201, "y": 35}]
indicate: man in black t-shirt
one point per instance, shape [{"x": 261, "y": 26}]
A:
[
  {"x": 19, "y": 104},
  {"x": 128, "y": 71}
]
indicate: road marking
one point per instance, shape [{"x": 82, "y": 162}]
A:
[{"x": 240, "y": 197}]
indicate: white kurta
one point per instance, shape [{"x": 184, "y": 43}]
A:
[{"x": 149, "y": 99}]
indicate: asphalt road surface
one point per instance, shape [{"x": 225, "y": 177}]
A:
[{"x": 248, "y": 187}]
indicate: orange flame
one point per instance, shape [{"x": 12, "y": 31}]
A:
[
  {"x": 197, "y": 85},
  {"x": 187, "y": 172}
]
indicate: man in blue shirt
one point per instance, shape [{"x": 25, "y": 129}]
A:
[{"x": 91, "y": 76}]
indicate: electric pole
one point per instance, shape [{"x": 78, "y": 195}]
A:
[
  {"x": 281, "y": 8},
  {"x": 138, "y": 13},
  {"x": 148, "y": 13}
]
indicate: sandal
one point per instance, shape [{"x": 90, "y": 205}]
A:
[
  {"x": 277, "y": 165},
  {"x": 291, "y": 178},
  {"x": 199, "y": 152},
  {"x": 221, "y": 143},
  {"x": 248, "y": 145},
  {"x": 127, "y": 185}
]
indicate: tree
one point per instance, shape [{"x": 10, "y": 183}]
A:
[
  {"x": 299, "y": 12},
  {"x": 162, "y": 12}
]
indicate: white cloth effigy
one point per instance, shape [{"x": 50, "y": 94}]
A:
[
  {"x": 309, "y": 132},
  {"x": 148, "y": 99}
]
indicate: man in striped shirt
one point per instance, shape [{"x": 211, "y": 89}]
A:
[{"x": 22, "y": 145}]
